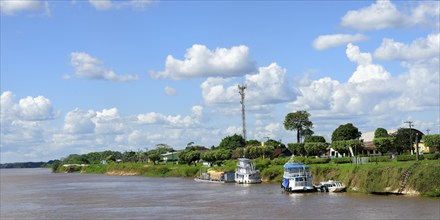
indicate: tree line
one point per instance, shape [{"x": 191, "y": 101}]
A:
[
  {"x": 344, "y": 139},
  {"x": 347, "y": 137}
]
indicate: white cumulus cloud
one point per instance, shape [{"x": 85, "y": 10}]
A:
[
  {"x": 175, "y": 121},
  {"x": 384, "y": 14},
  {"x": 90, "y": 67},
  {"x": 79, "y": 122},
  {"x": 419, "y": 49},
  {"x": 335, "y": 40},
  {"x": 115, "y": 4},
  {"x": 12, "y": 7},
  {"x": 365, "y": 70},
  {"x": 29, "y": 108},
  {"x": 270, "y": 85},
  {"x": 201, "y": 62}
]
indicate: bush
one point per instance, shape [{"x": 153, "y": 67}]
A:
[
  {"x": 317, "y": 160},
  {"x": 380, "y": 159},
  {"x": 261, "y": 164},
  {"x": 299, "y": 159},
  {"x": 408, "y": 157},
  {"x": 341, "y": 160},
  {"x": 273, "y": 174},
  {"x": 279, "y": 161},
  {"x": 431, "y": 156}
]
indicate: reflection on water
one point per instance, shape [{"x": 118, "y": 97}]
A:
[{"x": 39, "y": 194}]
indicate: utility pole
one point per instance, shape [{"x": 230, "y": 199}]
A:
[
  {"x": 241, "y": 89},
  {"x": 410, "y": 124},
  {"x": 427, "y": 131}
]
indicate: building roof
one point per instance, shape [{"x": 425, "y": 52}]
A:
[
  {"x": 369, "y": 145},
  {"x": 280, "y": 151}
]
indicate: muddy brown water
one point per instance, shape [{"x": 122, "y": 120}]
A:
[{"x": 40, "y": 194}]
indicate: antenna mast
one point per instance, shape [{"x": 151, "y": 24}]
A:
[{"x": 241, "y": 89}]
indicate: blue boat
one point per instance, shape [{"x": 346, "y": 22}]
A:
[{"x": 297, "y": 177}]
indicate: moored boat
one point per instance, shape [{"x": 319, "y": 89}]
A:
[
  {"x": 331, "y": 186},
  {"x": 215, "y": 177},
  {"x": 246, "y": 172},
  {"x": 297, "y": 177}
]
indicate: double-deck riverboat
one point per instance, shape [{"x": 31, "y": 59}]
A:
[
  {"x": 297, "y": 177},
  {"x": 246, "y": 172}
]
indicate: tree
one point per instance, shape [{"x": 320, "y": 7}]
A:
[
  {"x": 314, "y": 138},
  {"x": 253, "y": 143},
  {"x": 343, "y": 147},
  {"x": 129, "y": 156},
  {"x": 274, "y": 143},
  {"x": 381, "y": 133},
  {"x": 300, "y": 122},
  {"x": 189, "y": 156},
  {"x": 346, "y": 132},
  {"x": 432, "y": 141},
  {"x": 384, "y": 144},
  {"x": 164, "y": 148},
  {"x": 315, "y": 148},
  {"x": 76, "y": 159},
  {"x": 307, "y": 133},
  {"x": 297, "y": 149},
  {"x": 253, "y": 152},
  {"x": 406, "y": 138},
  {"x": 154, "y": 156},
  {"x": 232, "y": 142}
]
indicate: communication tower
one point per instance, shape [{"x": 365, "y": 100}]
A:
[{"x": 241, "y": 89}]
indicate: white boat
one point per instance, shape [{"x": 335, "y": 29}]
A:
[
  {"x": 331, "y": 186},
  {"x": 297, "y": 177},
  {"x": 246, "y": 172}
]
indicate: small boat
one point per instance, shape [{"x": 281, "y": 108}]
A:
[
  {"x": 246, "y": 172},
  {"x": 331, "y": 186},
  {"x": 297, "y": 177},
  {"x": 215, "y": 177}
]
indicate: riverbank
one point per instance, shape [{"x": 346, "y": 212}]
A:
[{"x": 410, "y": 177}]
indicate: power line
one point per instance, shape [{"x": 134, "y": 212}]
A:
[{"x": 410, "y": 124}]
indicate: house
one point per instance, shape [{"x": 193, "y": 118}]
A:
[
  {"x": 169, "y": 156},
  {"x": 369, "y": 148},
  {"x": 281, "y": 152}
]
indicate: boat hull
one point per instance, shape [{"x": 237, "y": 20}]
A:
[
  {"x": 249, "y": 181},
  {"x": 208, "y": 181},
  {"x": 299, "y": 189}
]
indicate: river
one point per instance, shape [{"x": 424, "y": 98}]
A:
[{"x": 40, "y": 194}]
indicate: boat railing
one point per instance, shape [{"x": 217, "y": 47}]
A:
[{"x": 297, "y": 174}]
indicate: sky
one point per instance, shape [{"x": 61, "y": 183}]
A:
[{"x": 88, "y": 76}]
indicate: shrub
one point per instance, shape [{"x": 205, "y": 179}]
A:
[
  {"x": 432, "y": 141},
  {"x": 274, "y": 173},
  {"x": 299, "y": 159},
  {"x": 261, "y": 164},
  {"x": 279, "y": 161},
  {"x": 380, "y": 159},
  {"x": 317, "y": 160},
  {"x": 408, "y": 157},
  {"x": 341, "y": 160},
  {"x": 431, "y": 156}
]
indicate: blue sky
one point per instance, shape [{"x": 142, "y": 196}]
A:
[{"x": 83, "y": 76}]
